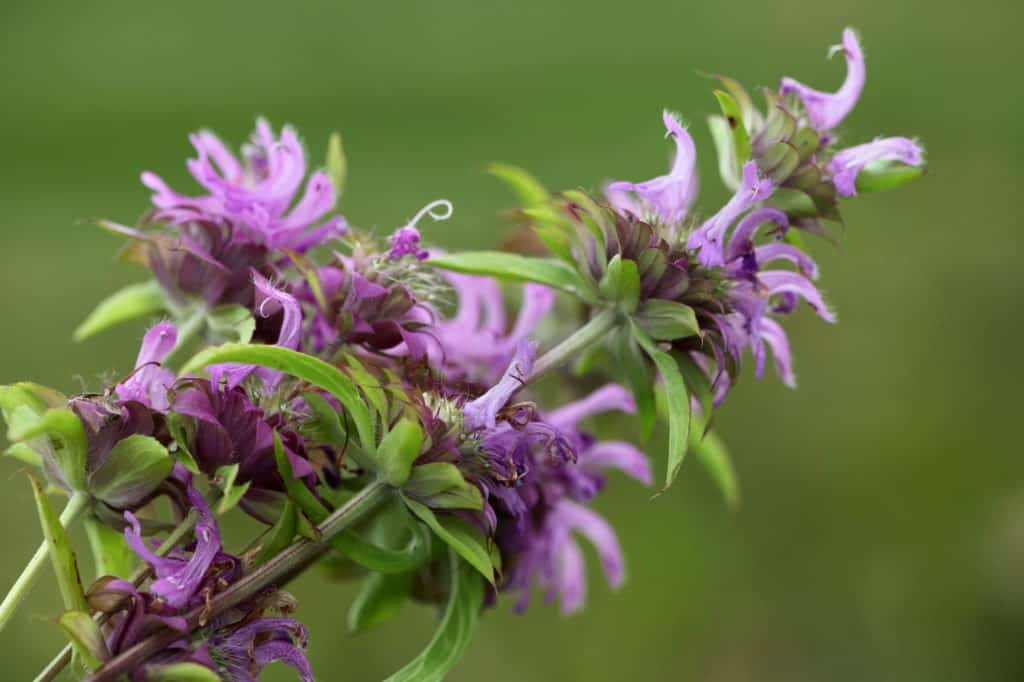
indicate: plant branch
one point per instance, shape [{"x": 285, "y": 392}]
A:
[
  {"x": 23, "y": 585},
  {"x": 590, "y": 333},
  {"x": 293, "y": 559}
]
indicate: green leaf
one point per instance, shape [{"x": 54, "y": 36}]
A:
[
  {"x": 454, "y": 633},
  {"x": 794, "y": 202},
  {"x": 457, "y": 534},
  {"x": 302, "y": 496},
  {"x": 307, "y": 367},
  {"x": 181, "y": 672},
  {"x": 514, "y": 267},
  {"x": 326, "y": 427},
  {"x": 133, "y": 469},
  {"x": 677, "y": 403},
  {"x": 231, "y": 322},
  {"x": 440, "y": 485},
  {"x": 700, "y": 388},
  {"x": 337, "y": 164},
  {"x": 110, "y": 552},
  {"x": 379, "y": 599},
  {"x": 667, "y": 320},
  {"x": 530, "y": 192},
  {"x": 721, "y": 135},
  {"x": 381, "y": 559},
  {"x": 368, "y": 385},
  {"x": 85, "y": 637},
  {"x": 231, "y": 494},
  {"x": 712, "y": 453},
  {"x": 734, "y": 119},
  {"x": 633, "y": 365},
  {"x": 135, "y": 300},
  {"x": 621, "y": 283},
  {"x": 176, "y": 427},
  {"x": 61, "y": 554},
  {"x": 68, "y": 439},
  {"x": 280, "y": 535},
  {"x": 884, "y": 175},
  {"x": 398, "y": 449}
]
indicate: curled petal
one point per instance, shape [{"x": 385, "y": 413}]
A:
[
  {"x": 780, "y": 251},
  {"x": 669, "y": 197},
  {"x": 775, "y": 337},
  {"x": 783, "y": 282},
  {"x": 742, "y": 240},
  {"x": 826, "y": 110},
  {"x": 570, "y": 577},
  {"x": 483, "y": 412},
  {"x": 592, "y": 526},
  {"x": 618, "y": 455},
  {"x": 848, "y": 163},
  {"x": 608, "y": 397}
]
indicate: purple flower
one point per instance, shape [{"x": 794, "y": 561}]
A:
[
  {"x": 242, "y": 653},
  {"x": 271, "y": 303},
  {"x": 538, "y": 520},
  {"x": 846, "y": 164},
  {"x": 826, "y": 110},
  {"x": 709, "y": 237},
  {"x": 476, "y": 344},
  {"x": 257, "y": 195},
  {"x": 405, "y": 241},
  {"x": 149, "y": 383},
  {"x": 179, "y": 579},
  {"x": 229, "y": 429},
  {"x": 667, "y": 197},
  {"x": 483, "y": 412}
]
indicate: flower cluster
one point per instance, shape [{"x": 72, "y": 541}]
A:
[{"x": 380, "y": 406}]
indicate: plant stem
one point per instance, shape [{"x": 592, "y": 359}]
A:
[
  {"x": 293, "y": 559},
  {"x": 590, "y": 333},
  {"x": 75, "y": 506}
]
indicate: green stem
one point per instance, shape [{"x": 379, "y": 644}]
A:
[
  {"x": 274, "y": 571},
  {"x": 51, "y": 671},
  {"x": 75, "y": 506},
  {"x": 595, "y": 330},
  {"x": 187, "y": 331}
]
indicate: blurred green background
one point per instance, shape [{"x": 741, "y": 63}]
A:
[{"x": 882, "y": 530}]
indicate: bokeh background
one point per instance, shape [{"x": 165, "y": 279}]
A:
[{"x": 881, "y": 535}]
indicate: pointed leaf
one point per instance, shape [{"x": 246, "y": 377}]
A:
[
  {"x": 555, "y": 274},
  {"x": 399, "y": 447},
  {"x": 110, "y": 553},
  {"x": 61, "y": 554},
  {"x": 337, "y": 164},
  {"x": 633, "y": 365},
  {"x": 712, "y": 453},
  {"x": 885, "y": 175},
  {"x": 459, "y": 535},
  {"x": 530, "y": 192},
  {"x": 302, "y": 496},
  {"x": 280, "y": 535},
  {"x": 379, "y": 599},
  {"x": 734, "y": 119},
  {"x": 86, "y": 638},
  {"x": 440, "y": 485},
  {"x": 135, "y": 300},
  {"x": 68, "y": 439},
  {"x": 667, "y": 320},
  {"x": 133, "y": 469},
  {"x": 455, "y": 631},
  {"x": 373, "y": 557},
  {"x": 677, "y": 403}
]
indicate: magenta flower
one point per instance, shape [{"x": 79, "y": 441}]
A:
[
  {"x": 179, "y": 579},
  {"x": 667, "y": 197},
  {"x": 826, "y": 110},
  {"x": 149, "y": 383},
  {"x": 256, "y": 196}
]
